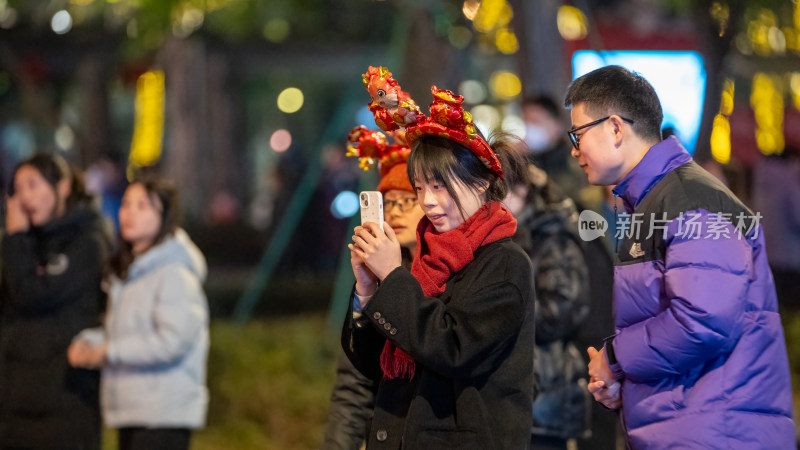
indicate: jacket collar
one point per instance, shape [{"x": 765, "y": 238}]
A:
[{"x": 659, "y": 160}]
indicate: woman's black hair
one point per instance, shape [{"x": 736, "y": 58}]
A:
[
  {"x": 53, "y": 169},
  {"x": 443, "y": 160},
  {"x": 163, "y": 194}
]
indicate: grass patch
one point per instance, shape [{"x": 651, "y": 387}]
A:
[
  {"x": 270, "y": 383},
  {"x": 791, "y": 330}
]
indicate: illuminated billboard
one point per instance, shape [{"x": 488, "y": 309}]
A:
[{"x": 678, "y": 77}]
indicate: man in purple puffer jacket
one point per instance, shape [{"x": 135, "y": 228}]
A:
[{"x": 698, "y": 360}]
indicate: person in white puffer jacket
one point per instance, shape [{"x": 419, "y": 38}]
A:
[{"x": 154, "y": 346}]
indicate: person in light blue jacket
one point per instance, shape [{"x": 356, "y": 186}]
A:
[{"x": 154, "y": 346}]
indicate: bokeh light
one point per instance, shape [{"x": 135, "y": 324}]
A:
[
  {"x": 514, "y": 125},
  {"x": 720, "y": 13},
  {"x": 473, "y": 91},
  {"x": 281, "y": 140},
  {"x": 572, "y": 23},
  {"x": 64, "y": 138},
  {"x": 721, "y": 139},
  {"x": 794, "y": 86},
  {"x": 758, "y": 31},
  {"x": 8, "y": 16},
  {"x": 365, "y": 117},
  {"x": 186, "y": 21},
  {"x": 148, "y": 128},
  {"x": 767, "y": 105},
  {"x": 470, "y": 8},
  {"x": 290, "y": 100},
  {"x": 486, "y": 118},
  {"x": 61, "y": 22},
  {"x": 726, "y": 103},
  {"x": 276, "y": 30},
  {"x": 492, "y": 14},
  {"x": 505, "y": 84},
  {"x": 459, "y": 37},
  {"x": 506, "y": 41},
  {"x": 345, "y": 204}
]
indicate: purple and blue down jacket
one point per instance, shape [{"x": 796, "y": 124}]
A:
[{"x": 699, "y": 346}]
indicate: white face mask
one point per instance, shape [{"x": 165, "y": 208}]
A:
[{"x": 536, "y": 138}]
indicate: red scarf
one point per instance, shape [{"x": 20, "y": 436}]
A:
[{"x": 438, "y": 257}]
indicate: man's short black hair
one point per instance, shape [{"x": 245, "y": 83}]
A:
[{"x": 616, "y": 90}]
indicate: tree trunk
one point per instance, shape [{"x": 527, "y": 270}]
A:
[
  {"x": 543, "y": 68},
  {"x": 183, "y": 158},
  {"x": 93, "y": 137},
  {"x": 714, "y": 48}
]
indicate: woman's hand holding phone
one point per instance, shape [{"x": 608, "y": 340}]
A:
[
  {"x": 377, "y": 249},
  {"x": 366, "y": 281}
]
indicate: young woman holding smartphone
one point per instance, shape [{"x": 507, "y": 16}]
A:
[{"x": 451, "y": 340}]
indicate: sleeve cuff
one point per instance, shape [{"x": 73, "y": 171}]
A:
[
  {"x": 611, "y": 359},
  {"x": 359, "y": 302},
  {"x": 111, "y": 353}
]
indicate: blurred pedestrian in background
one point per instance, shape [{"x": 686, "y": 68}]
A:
[
  {"x": 699, "y": 357},
  {"x": 353, "y": 397},
  {"x": 54, "y": 252},
  {"x": 776, "y": 196},
  {"x": 548, "y": 231},
  {"x": 547, "y": 143},
  {"x": 154, "y": 345},
  {"x": 451, "y": 341}
]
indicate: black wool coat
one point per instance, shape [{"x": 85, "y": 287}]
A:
[
  {"x": 473, "y": 347},
  {"x": 50, "y": 291}
]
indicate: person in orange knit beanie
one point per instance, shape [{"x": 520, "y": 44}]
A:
[{"x": 353, "y": 395}]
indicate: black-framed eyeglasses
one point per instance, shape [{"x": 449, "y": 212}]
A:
[
  {"x": 576, "y": 138},
  {"x": 405, "y": 204}
]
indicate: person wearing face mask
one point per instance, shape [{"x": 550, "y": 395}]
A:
[
  {"x": 547, "y": 145},
  {"x": 54, "y": 254},
  {"x": 353, "y": 393}
]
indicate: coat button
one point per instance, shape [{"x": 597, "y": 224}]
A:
[
  {"x": 387, "y": 326},
  {"x": 382, "y": 320},
  {"x": 393, "y": 331},
  {"x": 377, "y": 315},
  {"x": 381, "y": 435}
]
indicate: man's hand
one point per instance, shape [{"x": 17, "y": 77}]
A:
[
  {"x": 602, "y": 384},
  {"x": 607, "y": 395}
]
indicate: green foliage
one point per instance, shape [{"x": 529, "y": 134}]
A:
[
  {"x": 270, "y": 382},
  {"x": 791, "y": 330}
]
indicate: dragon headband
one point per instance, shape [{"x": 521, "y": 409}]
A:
[
  {"x": 395, "y": 110},
  {"x": 372, "y": 146}
]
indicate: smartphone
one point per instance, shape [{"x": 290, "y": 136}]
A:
[{"x": 371, "y": 207}]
